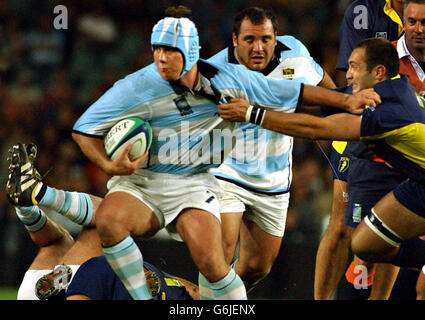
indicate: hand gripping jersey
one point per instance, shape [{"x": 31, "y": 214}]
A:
[
  {"x": 96, "y": 280},
  {"x": 188, "y": 135},
  {"x": 262, "y": 160},
  {"x": 395, "y": 129}
]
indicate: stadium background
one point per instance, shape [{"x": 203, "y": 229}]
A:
[{"x": 48, "y": 77}]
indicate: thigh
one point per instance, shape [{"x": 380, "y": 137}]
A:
[
  {"x": 121, "y": 214},
  {"x": 256, "y": 245},
  {"x": 406, "y": 223}
]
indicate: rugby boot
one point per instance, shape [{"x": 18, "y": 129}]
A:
[
  {"x": 53, "y": 283},
  {"x": 153, "y": 282},
  {"x": 23, "y": 177}
]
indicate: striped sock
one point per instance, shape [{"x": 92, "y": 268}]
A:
[
  {"x": 76, "y": 206},
  {"x": 33, "y": 217},
  {"x": 230, "y": 287},
  {"x": 126, "y": 260}
]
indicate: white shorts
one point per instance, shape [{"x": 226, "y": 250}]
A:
[
  {"x": 267, "y": 211},
  {"x": 26, "y": 290},
  {"x": 167, "y": 194}
]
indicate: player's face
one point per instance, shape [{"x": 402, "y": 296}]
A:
[
  {"x": 357, "y": 73},
  {"x": 414, "y": 24},
  {"x": 255, "y": 44},
  {"x": 169, "y": 62}
]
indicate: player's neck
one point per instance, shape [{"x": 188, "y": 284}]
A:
[
  {"x": 398, "y": 7},
  {"x": 190, "y": 78}
]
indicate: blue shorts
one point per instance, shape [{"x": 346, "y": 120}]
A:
[
  {"x": 411, "y": 195},
  {"x": 367, "y": 183},
  {"x": 340, "y": 162}
]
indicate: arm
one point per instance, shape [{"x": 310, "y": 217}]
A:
[
  {"x": 93, "y": 148},
  {"x": 353, "y": 103},
  {"x": 327, "y": 82},
  {"x": 341, "y": 126}
]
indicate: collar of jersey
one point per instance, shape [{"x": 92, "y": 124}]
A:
[
  {"x": 390, "y": 12},
  {"x": 208, "y": 71}
]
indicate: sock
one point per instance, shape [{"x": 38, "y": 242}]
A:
[
  {"x": 405, "y": 285},
  {"x": 411, "y": 254},
  {"x": 356, "y": 285},
  {"x": 33, "y": 217},
  {"x": 230, "y": 287},
  {"x": 126, "y": 260},
  {"x": 76, "y": 206},
  {"x": 250, "y": 285}
]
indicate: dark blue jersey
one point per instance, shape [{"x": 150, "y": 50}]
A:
[
  {"x": 366, "y": 19},
  {"x": 96, "y": 280},
  {"x": 395, "y": 129}
]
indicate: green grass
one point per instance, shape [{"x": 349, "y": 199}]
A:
[{"x": 8, "y": 293}]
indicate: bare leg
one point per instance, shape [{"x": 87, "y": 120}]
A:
[{"x": 332, "y": 254}]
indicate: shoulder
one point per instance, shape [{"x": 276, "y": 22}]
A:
[
  {"x": 292, "y": 47},
  {"x": 222, "y": 56}
]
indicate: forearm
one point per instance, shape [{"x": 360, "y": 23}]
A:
[
  {"x": 335, "y": 127},
  {"x": 93, "y": 149},
  {"x": 319, "y": 96}
]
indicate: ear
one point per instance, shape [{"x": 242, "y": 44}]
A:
[
  {"x": 380, "y": 72},
  {"x": 235, "y": 39}
]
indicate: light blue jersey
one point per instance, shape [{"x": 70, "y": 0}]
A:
[
  {"x": 188, "y": 134},
  {"x": 262, "y": 160}
]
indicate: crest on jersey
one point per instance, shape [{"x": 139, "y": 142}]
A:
[
  {"x": 381, "y": 34},
  {"x": 344, "y": 162},
  {"x": 288, "y": 73}
]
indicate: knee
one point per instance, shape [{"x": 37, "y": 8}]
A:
[
  {"x": 363, "y": 250},
  {"x": 338, "y": 232},
  {"x": 256, "y": 269},
  {"x": 108, "y": 223}
]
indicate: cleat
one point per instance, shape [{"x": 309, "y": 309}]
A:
[
  {"x": 23, "y": 177},
  {"x": 153, "y": 282},
  {"x": 53, "y": 283}
]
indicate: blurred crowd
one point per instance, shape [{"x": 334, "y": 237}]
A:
[{"x": 48, "y": 77}]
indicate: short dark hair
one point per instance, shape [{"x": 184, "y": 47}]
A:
[
  {"x": 406, "y": 2},
  {"x": 256, "y": 15},
  {"x": 380, "y": 51},
  {"x": 177, "y": 11}
]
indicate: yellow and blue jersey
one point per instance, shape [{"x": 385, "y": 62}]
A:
[
  {"x": 395, "y": 129},
  {"x": 96, "y": 280}
]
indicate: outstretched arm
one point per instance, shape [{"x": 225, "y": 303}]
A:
[{"x": 341, "y": 126}]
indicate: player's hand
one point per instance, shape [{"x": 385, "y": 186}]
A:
[
  {"x": 366, "y": 97},
  {"x": 122, "y": 165},
  {"x": 235, "y": 110}
]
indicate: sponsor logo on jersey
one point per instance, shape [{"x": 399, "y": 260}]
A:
[
  {"x": 381, "y": 34},
  {"x": 344, "y": 162},
  {"x": 288, "y": 73}
]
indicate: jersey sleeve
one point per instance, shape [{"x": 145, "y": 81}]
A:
[
  {"x": 279, "y": 95},
  {"x": 104, "y": 113}
]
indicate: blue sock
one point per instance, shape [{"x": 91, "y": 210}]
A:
[
  {"x": 126, "y": 260},
  {"x": 76, "y": 206},
  {"x": 411, "y": 254},
  {"x": 33, "y": 217},
  {"x": 230, "y": 287}
]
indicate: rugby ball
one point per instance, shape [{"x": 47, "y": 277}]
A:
[{"x": 131, "y": 130}]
